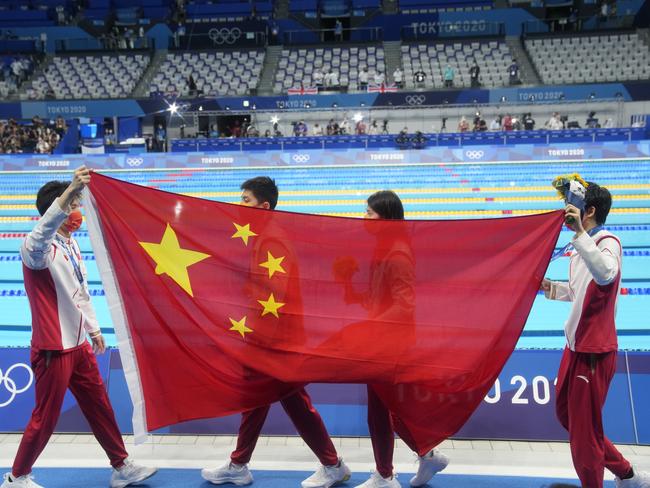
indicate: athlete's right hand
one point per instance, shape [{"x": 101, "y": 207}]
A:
[
  {"x": 545, "y": 286},
  {"x": 99, "y": 345}
]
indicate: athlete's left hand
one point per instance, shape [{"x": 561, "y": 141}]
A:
[
  {"x": 573, "y": 213},
  {"x": 99, "y": 345}
]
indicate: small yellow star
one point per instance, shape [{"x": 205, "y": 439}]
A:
[
  {"x": 271, "y": 306},
  {"x": 243, "y": 231},
  {"x": 240, "y": 326},
  {"x": 173, "y": 260},
  {"x": 273, "y": 264}
]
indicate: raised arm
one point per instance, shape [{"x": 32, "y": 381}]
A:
[{"x": 37, "y": 246}]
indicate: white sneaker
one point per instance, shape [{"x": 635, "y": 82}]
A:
[
  {"x": 431, "y": 463},
  {"x": 376, "y": 481},
  {"x": 641, "y": 479},
  {"x": 228, "y": 473},
  {"x": 26, "y": 481},
  {"x": 326, "y": 476},
  {"x": 130, "y": 474}
]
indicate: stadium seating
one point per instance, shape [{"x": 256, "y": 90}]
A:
[
  {"x": 493, "y": 57},
  {"x": 297, "y": 66},
  {"x": 389, "y": 140},
  {"x": 31, "y": 13},
  {"x": 590, "y": 58},
  {"x": 106, "y": 76},
  {"x": 429, "y": 6},
  {"x": 215, "y": 73},
  {"x": 307, "y": 7},
  {"x": 5, "y": 90},
  {"x": 228, "y": 9},
  {"x": 10, "y": 84},
  {"x": 127, "y": 12}
]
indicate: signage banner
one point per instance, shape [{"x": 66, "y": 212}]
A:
[
  {"x": 520, "y": 405},
  {"x": 208, "y": 153}
]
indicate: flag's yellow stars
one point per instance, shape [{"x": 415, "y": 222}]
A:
[
  {"x": 240, "y": 326},
  {"x": 173, "y": 260},
  {"x": 243, "y": 232},
  {"x": 271, "y": 306},
  {"x": 273, "y": 264}
]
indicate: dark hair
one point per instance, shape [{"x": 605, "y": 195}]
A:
[
  {"x": 49, "y": 192},
  {"x": 263, "y": 189},
  {"x": 599, "y": 198},
  {"x": 387, "y": 205}
]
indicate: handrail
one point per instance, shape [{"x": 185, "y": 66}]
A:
[
  {"x": 418, "y": 140},
  {"x": 376, "y": 34}
]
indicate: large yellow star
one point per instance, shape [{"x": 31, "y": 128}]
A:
[
  {"x": 244, "y": 232},
  {"x": 271, "y": 306},
  {"x": 172, "y": 260},
  {"x": 240, "y": 326},
  {"x": 273, "y": 264}
]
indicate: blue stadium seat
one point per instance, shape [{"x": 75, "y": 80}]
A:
[
  {"x": 18, "y": 16},
  {"x": 303, "y": 5},
  {"x": 365, "y": 4},
  {"x": 93, "y": 4},
  {"x": 96, "y": 13},
  {"x": 155, "y": 12},
  {"x": 335, "y": 8},
  {"x": 264, "y": 7},
  {"x": 207, "y": 10}
]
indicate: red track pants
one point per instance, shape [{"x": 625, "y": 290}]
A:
[
  {"x": 381, "y": 425},
  {"x": 582, "y": 384},
  {"x": 305, "y": 418},
  {"x": 77, "y": 370}
]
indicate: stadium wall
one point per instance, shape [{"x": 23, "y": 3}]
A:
[
  {"x": 535, "y": 96},
  {"x": 520, "y": 405},
  {"x": 559, "y": 151}
]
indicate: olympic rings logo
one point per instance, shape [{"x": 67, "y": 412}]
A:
[
  {"x": 134, "y": 161},
  {"x": 300, "y": 158},
  {"x": 224, "y": 35},
  {"x": 10, "y": 384},
  {"x": 415, "y": 99},
  {"x": 474, "y": 154}
]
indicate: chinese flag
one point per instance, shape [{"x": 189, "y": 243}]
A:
[{"x": 221, "y": 308}]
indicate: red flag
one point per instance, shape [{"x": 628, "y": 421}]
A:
[
  {"x": 303, "y": 90},
  {"x": 220, "y": 308}
]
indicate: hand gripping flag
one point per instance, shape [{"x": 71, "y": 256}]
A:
[{"x": 221, "y": 308}]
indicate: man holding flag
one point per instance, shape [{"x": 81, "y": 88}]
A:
[
  {"x": 589, "y": 361},
  {"x": 61, "y": 357},
  {"x": 262, "y": 193}
]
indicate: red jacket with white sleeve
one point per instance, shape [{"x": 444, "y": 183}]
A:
[
  {"x": 55, "y": 281},
  {"x": 593, "y": 287}
]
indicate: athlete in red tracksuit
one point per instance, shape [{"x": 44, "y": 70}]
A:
[
  {"x": 589, "y": 361},
  {"x": 389, "y": 299},
  {"x": 262, "y": 192},
  {"x": 61, "y": 357}
]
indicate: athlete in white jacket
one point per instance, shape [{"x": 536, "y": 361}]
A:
[
  {"x": 589, "y": 361},
  {"x": 61, "y": 357}
]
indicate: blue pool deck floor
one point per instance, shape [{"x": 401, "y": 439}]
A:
[{"x": 77, "y": 461}]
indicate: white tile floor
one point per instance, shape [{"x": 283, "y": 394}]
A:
[{"x": 544, "y": 459}]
